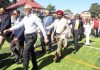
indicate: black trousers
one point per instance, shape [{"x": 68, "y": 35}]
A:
[
  {"x": 43, "y": 43},
  {"x": 96, "y": 32},
  {"x": 75, "y": 36},
  {"x": 17, "y": 49},
  {"x": 29, "y": 51}
]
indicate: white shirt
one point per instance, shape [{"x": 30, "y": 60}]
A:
[
  {"x": 87, "y": 28},
  {"x": 30, "y": 23},
  {"x": 59, "y": 25}
]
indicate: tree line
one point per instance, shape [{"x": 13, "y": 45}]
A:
[{"x": 94, "y": 8}]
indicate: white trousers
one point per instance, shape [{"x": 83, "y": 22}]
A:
[{"x": 87, "y": 39}]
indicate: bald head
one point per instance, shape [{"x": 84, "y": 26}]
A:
[{"x": 47, "y": 12}]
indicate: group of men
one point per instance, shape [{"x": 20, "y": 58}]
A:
[{"x": 12, "y": 29}]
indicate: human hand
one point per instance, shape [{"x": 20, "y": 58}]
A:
[
  {"x": 46, "y": 40},
  {"x": 6, "y": 31}
]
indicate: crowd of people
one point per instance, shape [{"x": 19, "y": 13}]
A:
[{"x": 16, "y": 29}]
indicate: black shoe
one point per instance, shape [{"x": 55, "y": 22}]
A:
[
  {"x": 59, "y": 59},
  {"x": 36, "y": 68},
  {"x": 19, "y": 62},
  {"x": 43, "y": 51},
  {"x": 17, "y": 59},
  {"x": 74, "y": 52}
]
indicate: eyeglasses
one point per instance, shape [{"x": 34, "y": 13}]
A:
[{"x": 14, "y": 13}]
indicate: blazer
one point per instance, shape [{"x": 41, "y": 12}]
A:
[
  {"x": 19, "y": 33},
  {"x": 5, "y": 22},
  {"x": 47, "y": 21},
  {"x": 80, "y": 27}
]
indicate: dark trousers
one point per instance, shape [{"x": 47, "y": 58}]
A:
[
  {"x": 96, "y": 32},
  {"x": 29, "y": 51},
  {"x": 17, "y": 48},
  {"x": 75, "y": 36},
  {"x": 21, "y": 48},
  {"x": 43, "y": 43},
  {"x": 14, "y": 50}
]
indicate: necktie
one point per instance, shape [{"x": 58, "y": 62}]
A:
[{"x": 76, "y": 25}]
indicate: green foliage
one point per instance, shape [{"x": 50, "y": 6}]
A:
[
  {"x": 67, "y": 11},
  {"x": 51, "y": 8},
  {"x": 4, "y": 3},
  {"x": 95, "y": 9}
]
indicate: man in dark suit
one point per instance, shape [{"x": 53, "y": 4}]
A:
[
  {"x": 17, "y": 42},
  {"x": 47, "y": 20},
  {"x": 5, "y": 23},
  {"x": 77, "y": 27}
]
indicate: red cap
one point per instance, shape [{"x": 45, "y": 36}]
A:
[{"x": 60, "y": 12}]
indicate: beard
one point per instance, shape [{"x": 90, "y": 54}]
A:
[{"x": 59, "y": 17}]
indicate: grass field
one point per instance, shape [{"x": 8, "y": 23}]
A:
[{"x": 87, "y": 58}]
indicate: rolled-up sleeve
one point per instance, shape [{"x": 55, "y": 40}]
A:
[
  {"x": 21, "y": 24},
  {"x": 39, "y": 24}
]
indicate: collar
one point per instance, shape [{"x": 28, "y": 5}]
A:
[{"x": 29, "y": 15}]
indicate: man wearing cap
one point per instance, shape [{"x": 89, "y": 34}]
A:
[
  {"x": 60, "y": 25},
  {"x": 5, "y": 23},
  {"x": 30, "y": 22},
  {"x": 47, "y": 20},
  {"x": 17, "y": 37}
]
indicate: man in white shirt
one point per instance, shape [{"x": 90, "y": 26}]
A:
[{"x": 30, "y": 22}]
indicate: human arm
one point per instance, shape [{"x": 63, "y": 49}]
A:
[{"x": 39, "y": 24}]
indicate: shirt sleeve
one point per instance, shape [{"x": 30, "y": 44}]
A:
[
  {"x": 39, "y": 24},
  {"x": 51, "y": 26},
  {"x": 17, "y": 26}
]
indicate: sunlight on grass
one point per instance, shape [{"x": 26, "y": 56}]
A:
[{"x": 85, "y": 59}]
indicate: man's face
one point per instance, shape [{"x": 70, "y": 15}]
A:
[
  {"x": 77, "y": 16},
  {"x": 46, "y": 13},
  {"x": 16, "y": 14},
  {"x": 1, "y": 10},
  {"x": 27, "y": 11},
  {"x": 59, "y": 16}
]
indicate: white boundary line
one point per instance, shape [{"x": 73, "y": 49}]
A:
[{"x": 92, "y": 47}]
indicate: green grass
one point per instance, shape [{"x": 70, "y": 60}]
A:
[{"x": 85, "y": 59}]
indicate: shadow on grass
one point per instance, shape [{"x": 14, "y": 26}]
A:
[
  {"x": 39, "y": 54},
  {"x": 19, "y": 68},
  {"x": 4, "y": 55},
  {"x": 46, "y": 61},
  {"x": 91, "y": 41},
  {"x": 69, "y": 50},
  {"x": 49, "y": 59},
  {"x": 80, "y": 45},
  {"x": 6, "y": 63}
]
